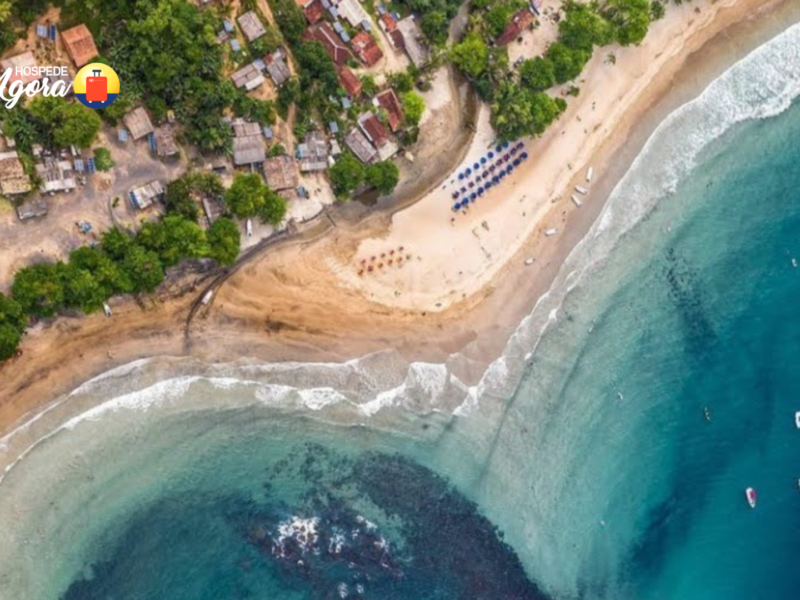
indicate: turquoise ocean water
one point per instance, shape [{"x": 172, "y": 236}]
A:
[{"x": 581, "y": 466}]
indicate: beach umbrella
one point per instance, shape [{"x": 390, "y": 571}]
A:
[
  {"x": 478, "y": 178},
  {"x": 468, "y": 171},
  {"x": 505, "y": 144},
  {"x": 485, "y": 173},
  {"x": 495, "y": 179},
  {"x": 516, "y": 162},
  {"x": 524, "y": 155},
  {"x": 520, "y": 144},
  {"x": 480, "y": 191},
  {"x": 497, "y": 148},
  {"x": 461, "y": 176},
  {"x": 506, "y": 156},
  {"x": 470, "y": 185},
  {"x": 488, "y": 184},
  {"x": 510, "y": 168},
  {"x": 463, "y": 189},
  {"x": 473, "y": 196},
  {"x": 457, "y": 206},
  {"x": 476, "y": 166},
  {"x": 513, "y": 151},
  {"x": 483, "y": 160},
  {"x": 491, "y": 154}
]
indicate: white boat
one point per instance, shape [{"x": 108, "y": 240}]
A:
[
  {"x": 794, "y": 263},
  {"x": 750, "y": 494},
  {"x": 249, "y": 228},
  {"x": 207, "y": 297},
  {"x": 581, "y": 190},
  {"x": 549, "y": 232},
  {"x": 107, "y": 309},
  {"x": 797, "y": 419},
  {"x": 589, "y": 174},
  {"x": 529, "y": 261},
  {"x": 576, "y": 201}
]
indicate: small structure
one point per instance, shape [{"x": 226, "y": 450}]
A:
[
  {"x": 518, "y": 24},
  {"x": 144, "y": 196},
  {"x": 333, "y": 127},
  {"x": 314, "y": 12},
  {"x": 236, "y": 46},
  {"x": 410, "y": 39},
  {"x": 248, "y": 143},
  {"x": 79, "y": 43},
  {"x": 21, "y": 61},
  {"x": 228, "y": 26},
  {"x": 326, "y": 36},
  {"x": 248, "y": 77},
  {"x": 30, "y": 208},
  {"x": 389, "y": 101},
  {"x": 13, "y": 179},
  {"x": 275, "y": 64},
  {"x": 251, "y": 25},
  {"x": 378, "y": 135},
  {"x": 387, "y": 22},
  {"x": 165, "y": 142},
  {"x": 366, "y": 48},
  {"x": 313, "y": 152},
  {"x": 349, "y": 82},
  {"x": 138, "y": 123},
  {"x": 281, "y": 172},
  {"x": 335, "y": 149},
  {"x": 352, "y": 12},
  {"x": 56, "y": 175},
  {"x": 360, "y": 146}
]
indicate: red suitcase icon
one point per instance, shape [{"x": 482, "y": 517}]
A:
[{"x": 96, "y": 87}]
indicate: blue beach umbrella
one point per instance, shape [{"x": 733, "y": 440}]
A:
[
  {"x": 461, "y": 176},
  {"x": 480, "y": 191},
  {"x": 457, "y": 206},
  {"x": 491, "y": 154},
  {"x": 498, "y": 148},
  {"x": 505, "y": 144},
  {"x": 516, "y": 162},
  {"x": 510, "y": 168},
  {"x": 478, "y": 178},
  {"x": 472, "y": 196},
  {"x": 524, "y": 155},
  {"x": 488, "y": 184},
  {"x": 495, "y": 180},
  {"x": 468, "y": 171},
  {"x": 476, "y": 166},
  {"x": 483, "y": 160}
]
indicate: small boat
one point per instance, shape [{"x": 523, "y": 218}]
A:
[
  {"x": 797, "y": 419},
  {"x": 207, "y": 297},
  {"x": 750, "y": 494},
  {"x": 249, "y": 228},
  {"x": 107, "y": 309},
  {"x": 794, "y": 263},
  {"x": 707, "y": 413},
  {"x": 798, "y": 483},
  {"x": 576, "y": 201},
  {"x": 529, "y": 261},
  {"x": 581, "y": 190},
  {"x": 549, "y": 232},
  {"x": 589, "y": 174}
]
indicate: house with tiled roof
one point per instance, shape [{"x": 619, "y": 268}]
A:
[
  {"x": 408, "y": 37},
  {"x": 360, "y": 145},
  {"x": 281, "y": 172},
  {"x": 251, "y": 25},
  {"x": 352, "y": 12},
  {"x": 349, "y": 82},
  {"x": 521, "y": 21},
  {"x": 325, "y": 35},
  {"x": 367, "y": 49},
  {"x": 314, "y": 12},
  {"x": 378, "y": 135},
  {"x": 277, "y": 68},
  {"x": 248, "y": 77},
  {"x": 389, "y": 101},
  {"x": 387, "y": 22},
  {"x": 80, "y": 45}
]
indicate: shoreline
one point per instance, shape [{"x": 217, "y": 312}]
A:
[{"x": 316, "y": 319}]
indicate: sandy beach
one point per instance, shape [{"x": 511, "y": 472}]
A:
[{"x": 463, "y": 286}]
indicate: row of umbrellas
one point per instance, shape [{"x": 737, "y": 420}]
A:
[
  {"x": 497, "y": 176},
  {"x": 475, "y": 168}
]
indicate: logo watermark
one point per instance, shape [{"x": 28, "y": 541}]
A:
[
  {"x": 47, "y": 82},
  {"x": 96, "y": 85}
]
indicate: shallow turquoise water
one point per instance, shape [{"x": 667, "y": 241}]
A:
[{"x": 583, "y": 470}]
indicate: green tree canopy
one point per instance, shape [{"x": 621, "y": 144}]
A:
[
  {"x": 517, "y": 112},
  {"x": 11, "y": 313},
  {"x": 631, "y": 18},
  {"x": 290, "y": 18},
  {"x": 104, "y": 270},
  {"x": 224, "y": 240},
  {"x": 567, "y": 62},
  {"x": 538, "y": 74},
  {"x": 583, "y": 28},
  {"x": 413, "y": 106},
  {"x": 172, "y": 239},
  {"x": 65, "y": 123},
  {"x": 39, "y": 289},
  {"x": 184, "y": 193},
  {"x": 81, "y": 289},
  {"x": 250, "y": 196},
  {"x": 471, "y": 56},
  {"x": 10, "y": 338},
  {"x": 383, "y": 176},
  {"x": 346, "y": 175},
  {"x": 144, "y": 269}
]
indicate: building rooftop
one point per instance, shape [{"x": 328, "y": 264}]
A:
[
  {"x": 145, "y": 195},
  {"x": 352, "y": 12},
  {"x": 13, "y": 179},
  {"x": 79, "y": 44},
  {"x": 165, "y": 142},
  {"x": 378, "y": 135},
  {"x": 360, "y": 145},
  {"x": 281, "y": 172},
  {"x": 30, "y": 208},
  {"x": 314, "y": 12},
  {"x": 518, "y": 24},
  {"x": 349, "y": 82},
  {"x": 313, "y": 152},
  {"x": 387, "y": 22},
  {"x": 389, "y": 101},
  {"x": 248, "y": 77},
  {"x": 326, "y": 36},
  {"x": 56, "y": 175},
  {"x": 412, "y": 40},
  {"x": 251, "y": 25},
  {"x": 248, "y": 143},
  {"x": 366, "y": 48},
  {"x": 26, "y": 59},
  {"x": 276, "y": 67},
  {"x": 138, "y": 123}
]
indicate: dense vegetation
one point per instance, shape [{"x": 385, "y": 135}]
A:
[
  {"x": 348, "y": 174},
  {"x": 249, "y": 196},
  {"x": 518, "y": 100},
  {"x": 121, "y": 264},
  {"x": 51, "y": 122},
  {"x": 435, "y": 16},
  {"x": 166, "y": 53},
  {"x": 15, "y": 17}
]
